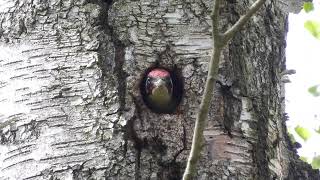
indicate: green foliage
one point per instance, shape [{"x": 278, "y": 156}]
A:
[
  {"x": 308, "y": 6},
  {"x": 317, "y": 130},
  {"x": 291, "y": 137},
  {"x": 314, "y": 90},
  {"x": 305, "y": 159},
  {"x": 313, "y": 27},
  {"x": 315, "y": 162},
  {"x": 304, "y": 133}
]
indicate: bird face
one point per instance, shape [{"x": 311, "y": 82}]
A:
[
  {"x": 158, "y": 87},
  {"x": 161, "y": 90}
]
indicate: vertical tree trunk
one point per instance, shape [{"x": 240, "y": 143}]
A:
[{"x": 71, "y": 106}]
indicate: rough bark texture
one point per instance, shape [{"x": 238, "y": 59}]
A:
[{"x": 70, "y": 100}]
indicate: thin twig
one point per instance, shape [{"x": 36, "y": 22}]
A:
[
  {"x": 219, "y": 41},
  {"x": 242, "y": 20},
  {"x": 197, "y": 140}
]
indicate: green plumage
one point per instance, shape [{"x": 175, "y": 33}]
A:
[
  {"x": 160, "y": 97},
  {"x": 159, "y": 92}
]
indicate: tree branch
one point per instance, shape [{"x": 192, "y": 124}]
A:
[
  {"x": 197, "y": 140},
  {"x": 215, "y": 21},
  {"x": 219, "y": 41},
  {"x": 242, "y": 20}
]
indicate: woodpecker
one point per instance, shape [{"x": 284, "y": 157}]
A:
[{"x": 160, "y": 90}]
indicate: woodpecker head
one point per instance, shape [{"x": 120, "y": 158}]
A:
[
  {"x": 161, "y": 90},
  {"x": 158, "y": 87}
]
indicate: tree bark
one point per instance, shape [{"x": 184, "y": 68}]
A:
[{"x": 71, "y": 107}]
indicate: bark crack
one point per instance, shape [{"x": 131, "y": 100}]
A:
[
  {"x": 260, "y": 148},
  {"x": 119, "y": 55},
  {"x": 138, "y": 144}
]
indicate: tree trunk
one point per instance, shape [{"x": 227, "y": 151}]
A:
[{"x": 71, "y": 107}]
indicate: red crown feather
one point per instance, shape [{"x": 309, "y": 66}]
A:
[{"x": 159, "y": 73}]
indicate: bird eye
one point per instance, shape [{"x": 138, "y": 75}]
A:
[
  {"x": 148, "y": 85},
  {"x": 148, "y": 81}
]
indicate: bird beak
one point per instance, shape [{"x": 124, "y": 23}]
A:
[
  {"x": 160, "y": 87},
  {"x": 159, "y": 82}
]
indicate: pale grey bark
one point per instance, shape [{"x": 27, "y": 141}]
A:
[
  {"x": 220, "y": 40},
  {"x": 69, "y": 91},
  {"x": 292, "y": 6}
]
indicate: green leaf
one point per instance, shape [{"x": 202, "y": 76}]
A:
[
  {"x": 314, "y": 90},
  {"x": 315, "y": 162},
  {"x": 313, "y": 27},
  {"x": 291, "y": 137},
  {"x": 303, "y": 132},
  {"x": 308, "y": 6},
  {"x": 305, "y": 159},
  {"x": 317, "y": 130}
]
